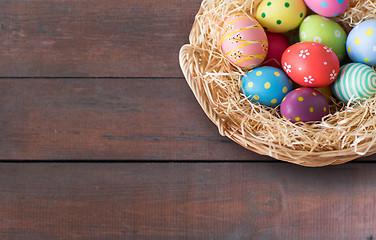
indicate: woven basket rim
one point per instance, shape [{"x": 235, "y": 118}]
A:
[{"x": 309, "y": 159}]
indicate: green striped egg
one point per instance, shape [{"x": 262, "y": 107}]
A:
[{"x": 355, "y": 81}]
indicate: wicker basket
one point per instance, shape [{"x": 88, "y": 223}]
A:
[{"x": 201, "y": 63}]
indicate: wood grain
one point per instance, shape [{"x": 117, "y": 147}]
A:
[
  {"x": 102, "y": 82},
  {"x": 112, "y": 119},
  {"x": 96, "y": 38},
  {"x": 186, "y": 201}
]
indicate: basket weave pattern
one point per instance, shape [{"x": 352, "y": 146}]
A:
[{"x": 348, "y": 133}]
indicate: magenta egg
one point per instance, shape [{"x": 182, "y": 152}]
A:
[
  {"x": 277, "y": 44},
  {"x": 328, "y": 8},
  {"x": 304, "y": 105}
]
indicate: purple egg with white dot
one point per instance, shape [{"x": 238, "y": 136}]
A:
[
  {"x": 328, "y": 8},
  {"x": 304, "y": 105}
]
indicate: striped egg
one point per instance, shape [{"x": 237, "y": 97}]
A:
[
  {"x": 244, "y": 41},
  {"x": 356, "y": 81}
]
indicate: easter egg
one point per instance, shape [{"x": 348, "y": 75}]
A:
[
  {"x": 355, "y": 81},
  {"x": 293, "y": 36},
  {"x": 328, "y": 8},
  {"x": 310, "y": 64},
  {"x": 277, "y": 44},
  {"x": 304, "y": 105},
  {"x": 244, "y": 41},
  {"x": 281, "y": 15},
  {"x": 361, "y": 43},
  {"x": 316, "y": 28},
  {"x": 266, "y": 85},
  {"x": 326, "y": 92}
]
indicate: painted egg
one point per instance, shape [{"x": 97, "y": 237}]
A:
[
  {"x": 310, "y": 64},
  {"x": 361, "y": 43},
  {"x": 304, "y": 105},
  {"x": 244, "y": 41},
  {"x": 326, "y": 92},
  {"x": 328, "y": 8},
  {"x": 266, "y": 85},
  {"x": 356, "y": 81},
  {"x": 277, "y": 44},
  {"x": 292, "y": 36},
  {"x": 281, "y": 15},
  {"x": 316, "y": 28}
]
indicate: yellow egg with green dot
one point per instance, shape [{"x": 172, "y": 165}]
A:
[{"x": 281, "y": 15}]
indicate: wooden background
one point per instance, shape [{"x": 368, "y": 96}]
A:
[{"x": 101, "y": 138}]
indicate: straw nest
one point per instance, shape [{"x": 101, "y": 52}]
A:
[{"x": 348, "y": 132}]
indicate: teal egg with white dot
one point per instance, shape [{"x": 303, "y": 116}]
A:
[
  {"x": 316, "y": 28},
  {"x": 266, "y": 85}
]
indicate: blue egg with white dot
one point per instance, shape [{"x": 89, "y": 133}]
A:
[
  {"x": 266, "y": 85},
  {"x": 361, "y": 43}
]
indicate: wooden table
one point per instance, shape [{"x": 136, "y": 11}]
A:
[{"x": 101, "y": 138}]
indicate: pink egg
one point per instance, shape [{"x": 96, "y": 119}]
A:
[
  {"x": 328, "y": 8},
  {"x": 311, "y": 64},
  {"x": 244, "y": 41},
  {"x": 277, "y": 44},
  {"x": 304, "y": 105}
]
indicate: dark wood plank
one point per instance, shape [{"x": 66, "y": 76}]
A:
[
  {"x": 186, "y": 201},
  {"x": 129, "y": 119},
  {"x": 96, "y": 38},
  {"x": 113, "y": 119}
]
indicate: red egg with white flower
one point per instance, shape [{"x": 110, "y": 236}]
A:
[{"x": 310, "y": 64}]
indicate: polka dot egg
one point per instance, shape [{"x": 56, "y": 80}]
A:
[
  {"x": 304, "y": 105},
  {"x": 281, "y": 15},
  {"x": 361, "y": 43},
  {"x": 316, "y": 28},
  {"x": 266, "y": 85},
  {"x": 328, "y": 8}
]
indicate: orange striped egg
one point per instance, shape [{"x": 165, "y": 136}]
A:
[{"x": 244, "y": 41}]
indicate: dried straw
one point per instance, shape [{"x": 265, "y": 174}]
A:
[{"x": 347, "y": 133}]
